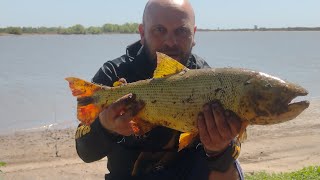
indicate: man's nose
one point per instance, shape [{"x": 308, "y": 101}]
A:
[{"x": 170, "y": 40}]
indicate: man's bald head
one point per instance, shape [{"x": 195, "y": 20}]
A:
[
  {"x": 168, "y": 27},
  {"x": 182, "y": 5}
]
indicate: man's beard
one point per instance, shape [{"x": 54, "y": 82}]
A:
[{"x": 182, "y": 57}]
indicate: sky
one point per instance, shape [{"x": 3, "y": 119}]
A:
[{"x": 210, "y": 14}]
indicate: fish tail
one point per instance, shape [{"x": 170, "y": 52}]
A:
[{"x": 87, "y": 109}]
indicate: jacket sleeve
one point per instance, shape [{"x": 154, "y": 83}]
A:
[{"x": 93, "y": 142}]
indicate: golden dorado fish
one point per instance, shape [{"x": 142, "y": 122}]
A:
[{"x": 176, "y": 94}]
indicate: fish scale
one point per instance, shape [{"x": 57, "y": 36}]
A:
[{"x": 179, "y": 98}]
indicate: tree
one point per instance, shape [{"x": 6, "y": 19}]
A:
[
  {"x": 14, "y": 30},
  {"x": 77, "y": 29},
  {"x": 27, "y": 30},
  {"x": 94, "y": 30},
  {"x": 108, "y": 28}
]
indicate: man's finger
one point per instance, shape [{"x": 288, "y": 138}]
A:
[
  {"x": 210, "y": 122},
  {"x": 222, "y": 125},
  {"x": 234, "y": 122},
  {"x": 133, "y": 110},
  {"x": 122, "y": 103},
  {"x": 203, "y": 133}
]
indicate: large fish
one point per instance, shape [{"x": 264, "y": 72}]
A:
[{"x": 176, "y": 94}]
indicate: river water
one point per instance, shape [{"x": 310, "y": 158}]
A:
[{"x": 34, "y": 94}]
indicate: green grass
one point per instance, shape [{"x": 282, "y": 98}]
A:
[
  {"x": 307, "y": 173},
  {"x": 2, "y": 164}
]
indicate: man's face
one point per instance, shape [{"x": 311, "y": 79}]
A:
[{"x": 169, "y": 30}]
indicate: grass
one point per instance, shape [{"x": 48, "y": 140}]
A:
[
  {"x": 307, "y": 173},
  {"x": 2, "y": 164}
]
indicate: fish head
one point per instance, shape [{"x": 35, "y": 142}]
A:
[{"x": 269, "y": 100}]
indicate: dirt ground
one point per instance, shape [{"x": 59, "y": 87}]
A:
[{"x": 50, "y": 154}]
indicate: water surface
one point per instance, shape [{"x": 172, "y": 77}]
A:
[{"x": 34, "y": 93}]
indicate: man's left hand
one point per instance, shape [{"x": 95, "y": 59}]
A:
[{"x": 217, "y": 127}]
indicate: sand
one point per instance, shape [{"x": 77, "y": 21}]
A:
[{"x": 50, "y": 154}]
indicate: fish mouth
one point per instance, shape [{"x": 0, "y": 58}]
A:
[
  {"x": 293, "y": 103},
  {"x": 285, "y": 108},
  {"x": 293, "y": 110},
  {"x": 292, "y": 107}
]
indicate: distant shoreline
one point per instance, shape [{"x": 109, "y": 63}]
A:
[
  {"x": 199, "y": 30},
  {"x": 267, "y": 29},
  {"x": 127, "y": 28}
]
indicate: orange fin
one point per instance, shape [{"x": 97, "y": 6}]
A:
[
  {"x": 167, "y": 66},
  {"x": 87, "y": 114},
  {"x": 185, "y": 139},
  {"x": 87, "y": 110},
  {"x": 82, "y": 88}
]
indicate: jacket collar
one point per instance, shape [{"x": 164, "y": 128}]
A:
[{"x": 135, "y": 51}]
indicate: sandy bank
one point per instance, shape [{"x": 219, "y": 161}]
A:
[{"x": 50, "y": 154}]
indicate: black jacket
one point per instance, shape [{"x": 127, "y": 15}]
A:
[{"x": 94, "y": 142}]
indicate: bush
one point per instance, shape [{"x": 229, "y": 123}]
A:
[{"x": 14, "y": 30}]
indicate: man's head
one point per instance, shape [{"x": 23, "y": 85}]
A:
[{"x": 168, "y": 27}]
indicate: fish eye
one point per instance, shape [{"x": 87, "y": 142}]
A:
[{"x": 268, "y": 85}]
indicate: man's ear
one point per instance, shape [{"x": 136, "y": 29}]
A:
[
  {"x": 194, "y": 32},
  {"x": 141, "y": 31}
]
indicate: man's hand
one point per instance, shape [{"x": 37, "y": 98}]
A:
[
  {"x": 217, "y": 127},
  {"x": 117, "y": 117}
]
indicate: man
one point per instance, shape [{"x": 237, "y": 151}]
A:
[{"x": 168, "y": 27}]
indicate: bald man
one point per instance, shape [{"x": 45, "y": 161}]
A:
[{"x": 168, "y": 27}]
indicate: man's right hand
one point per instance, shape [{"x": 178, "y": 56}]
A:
[{"x": 117, "y": 116}]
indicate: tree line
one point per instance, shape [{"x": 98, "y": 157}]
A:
[
  {"x": 267, "y": 29},
  {"x": 124, "y": 28},
  {"x": 76, "y": 29}
]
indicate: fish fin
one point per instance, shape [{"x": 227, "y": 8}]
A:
[
  {"x": 167, "y": 66},
  {"x": 82, "y": 88},
  {"x": 120, "y": 82},
  {"x": 185, "y": 139},
  {"x": 243, "y": 131},
  {"x": 87, "y": 110},
  {"x": 141, "y": 126},
  {"x": 87, "y": 114}
]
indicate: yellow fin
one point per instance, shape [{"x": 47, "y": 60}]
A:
[
  {"x": 185, "y": 139},
  {"x": 120, "y": 82},
  {"x": 167, "y": 66},
  {"x": 81, "y": 88},
  {"x": 236, "y": 150}
]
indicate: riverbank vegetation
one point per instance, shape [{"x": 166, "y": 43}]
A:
[
  {"x": 124, "y": 28},
  {"x": 307, "y": 173},
  {"x": 76, "y": 29},
  {"x": 2, "y": 164}
]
